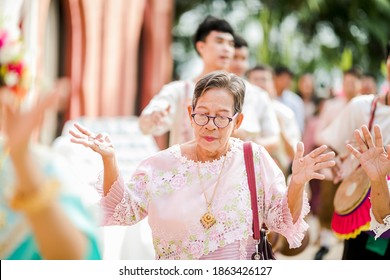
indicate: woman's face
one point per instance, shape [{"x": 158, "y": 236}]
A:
[{"x": 215, "y": 102}]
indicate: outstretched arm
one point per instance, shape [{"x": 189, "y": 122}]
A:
[
  {"x": 56, "y": 236},
  {"x": 304, "y": 169},
  {"x": 376, "y": 163},
  {"x": 101, "y": 144},
  {"x": 149, "y": 121}
]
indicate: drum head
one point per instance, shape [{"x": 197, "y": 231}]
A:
[{"x": 351, "y": 192}]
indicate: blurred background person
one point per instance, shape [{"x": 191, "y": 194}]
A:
[
  {"x": 214, "y": 42},
  {"x": 369, "y": 85},
  {"x": 351, "y": 88},
  {"x": 290, "y": 135},
  {"x": 260, "y": 123},
  {"x": 240, "y": 61},
  {"x": 306, "y": 90},
  {"x": 283, "y": 78},
  {"x": 308, "y": 140},
  {"x": 312, "y": 104}
]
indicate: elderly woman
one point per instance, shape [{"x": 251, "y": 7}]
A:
[{"x": 196, "y": 194}]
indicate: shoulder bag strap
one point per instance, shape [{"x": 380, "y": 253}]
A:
[{"x": 250, "y": 170}]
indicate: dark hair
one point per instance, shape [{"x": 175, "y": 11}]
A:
[
  {"x": 239, "y": 42},
  {"x": 260, "y": 67},
  {"x": 281, "y": 70},
  {"x": 223, "y": 80},
  {"x": 209, "y": 24},
  {"x": 369, "y": 75},
  {"x": 354, "y": 71}
]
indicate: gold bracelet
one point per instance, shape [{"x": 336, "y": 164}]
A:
[{"x": 37, "y": 201}]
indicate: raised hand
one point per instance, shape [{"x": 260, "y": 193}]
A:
[
  {"x": 99, "y": 143},
  {"x": 304, "y": 168},
  {"x": 19, "y": 125},
  {"x": 371, "y": 154},
  {"x": 158, "y": 117}
]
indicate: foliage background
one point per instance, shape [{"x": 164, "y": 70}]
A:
[{"x": 324, "y": 37}]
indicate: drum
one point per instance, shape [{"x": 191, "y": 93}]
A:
[
  {"x": 351, "y": 192},
  {"x": 352, "y": 206}
]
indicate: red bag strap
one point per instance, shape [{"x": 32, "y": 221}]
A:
[{"x": 250, "y": 171}]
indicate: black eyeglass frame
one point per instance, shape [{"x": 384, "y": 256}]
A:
[{"x": 214, "y": 117}]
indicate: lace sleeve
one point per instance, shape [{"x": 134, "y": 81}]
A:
[
  {"x": 278, "y": 216},
  {"x": 379, "y": 228},
  {"x": 125, "y": 203}
]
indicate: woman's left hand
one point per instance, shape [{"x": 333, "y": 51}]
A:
[{"x": 305, "y": 168}]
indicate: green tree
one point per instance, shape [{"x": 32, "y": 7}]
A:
[{"x": 304, "y": 35}]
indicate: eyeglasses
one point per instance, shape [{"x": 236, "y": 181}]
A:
[{"x": 219, "y": 121}]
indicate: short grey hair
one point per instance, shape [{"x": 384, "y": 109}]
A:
[{"x": 223, "y": 80}]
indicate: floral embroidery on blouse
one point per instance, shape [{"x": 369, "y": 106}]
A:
[{"x": 166, "y": 187}]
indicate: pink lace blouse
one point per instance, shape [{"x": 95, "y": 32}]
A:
[{"x": 167, "y": 188}]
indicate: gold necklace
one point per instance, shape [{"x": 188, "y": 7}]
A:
[{"x": 208, "y": 219}]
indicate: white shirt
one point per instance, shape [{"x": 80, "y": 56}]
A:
[
  {"x": 177, "y": 96},
  {"x": 259, "y": 117},
  {"x": 289, "y": 126},
  {"x": 295, "y": 102}
]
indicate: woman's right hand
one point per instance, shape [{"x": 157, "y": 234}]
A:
[{"x": 99, "y": 143}]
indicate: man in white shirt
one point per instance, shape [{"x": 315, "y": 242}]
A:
[{"x": 167, "y": 111}]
